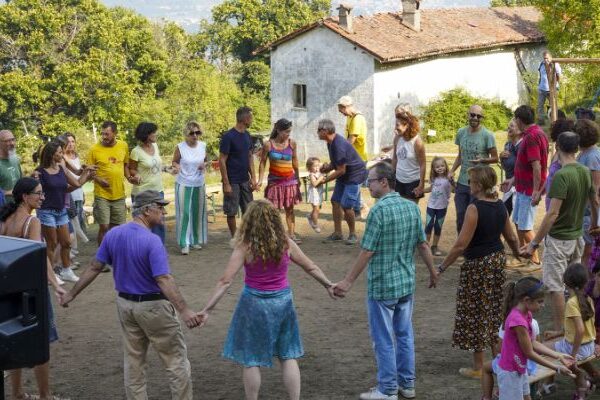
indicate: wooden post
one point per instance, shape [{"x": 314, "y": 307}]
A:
[{"x": 551, "y": 71}]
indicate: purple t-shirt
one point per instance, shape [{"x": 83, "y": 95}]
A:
[
  {"x": 512, "y": 358},
  {"x": 341, "y": 152},
  {"x": 590, "y": 291},
  {"x": 137, "y": 256}
]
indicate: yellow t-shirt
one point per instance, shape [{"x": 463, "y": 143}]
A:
[
  {"x": 357, "y": 126},
  {"x": 110, "y": 162},
  {"x": 572, "y": 310}
]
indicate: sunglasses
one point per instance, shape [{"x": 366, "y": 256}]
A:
[
  {"x": 197, "y": 133},
  {"x": 478, "y": 116}
]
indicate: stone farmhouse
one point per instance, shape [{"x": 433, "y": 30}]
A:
[{"x": 385, "y": 59}]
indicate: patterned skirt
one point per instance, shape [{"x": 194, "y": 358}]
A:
[
  {"x": 283, "y": 194},
  {"x": 264, "y": 325},
  {"x": 479, "y": 300}
]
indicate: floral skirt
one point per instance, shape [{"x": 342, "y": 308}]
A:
[
  {"x": 264, "y": 325},
  {"x": 283, "y": 195},
  {"x": 479, "y": 300}
]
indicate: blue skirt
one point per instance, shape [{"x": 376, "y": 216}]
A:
[{"x": 264, "y": 325}]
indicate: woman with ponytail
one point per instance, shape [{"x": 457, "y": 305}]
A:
[
  {"x": 479, "y": 294},
  {"x": 283, "y": 182},
  {"x": 580, "y": 330},
  {"x": 16, "y": 221}
]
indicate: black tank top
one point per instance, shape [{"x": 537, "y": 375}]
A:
[{"x": 491, "y": 218}]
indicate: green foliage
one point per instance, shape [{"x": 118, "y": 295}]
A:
[
  {"x": 241, "y": 26},
  {"x": 66, "y": 65},
  {"x": 448, "y": 113},
  {"x": 511, "y": 3}
]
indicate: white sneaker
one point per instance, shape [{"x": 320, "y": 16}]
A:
[
  {"x": 407, "y": 393},
  {"x": 196, "y": 247},
  {"x": 375, "y": 394},
  {"x": 185, "y": 250},
  {"x": 75, "y": 265},
  {"x": 60, "y": 281},
  {"x": 67, "y": 274}
]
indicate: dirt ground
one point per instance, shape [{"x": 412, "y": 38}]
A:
[{"x": 338, "y": 364}]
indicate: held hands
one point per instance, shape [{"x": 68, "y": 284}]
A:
[
  {"x": 567, "y": 360},
  {"x": 341, "y": 288},
  {"x": 561, "y": 369},
  {"x": 535, "y": 197},
  {"x": 526, "y": 251},
  {"x": 191, "y": 318},
  {"x": 64, "y": 298},
  {"x": 506, "y": 185},
  {"x": 434, "y": 278},
  {"x": 505, "y": 154},
  {"x": 103, "y": 182}
]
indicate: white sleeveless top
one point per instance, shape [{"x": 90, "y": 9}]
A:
[
  {"x": 191, "y": 159},
  {"x": 77, "y": 194},
  {"x": 407, "y": 168}
]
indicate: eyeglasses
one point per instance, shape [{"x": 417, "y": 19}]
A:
[
  {"x": 373, "y": 180},
  {"x": 197, "y": 133},
  {"x": 478, "y": 116},
  {"x": 40, "y": 193}
]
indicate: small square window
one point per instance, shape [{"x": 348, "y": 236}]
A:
[{"x": 299, "y": 96}]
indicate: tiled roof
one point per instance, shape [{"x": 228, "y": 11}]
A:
[{"x": 443, "y": 31}]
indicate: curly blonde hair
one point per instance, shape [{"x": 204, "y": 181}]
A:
[{"x": 262, "y": 231}]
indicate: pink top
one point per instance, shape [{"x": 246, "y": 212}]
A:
[
  {"x": 512, "y": 358},
  {"x": 267, "y": 276}
]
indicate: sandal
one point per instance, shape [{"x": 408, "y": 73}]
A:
[
  {"x": 296, "y": 239},
  {"x": 470, "y": 373}
]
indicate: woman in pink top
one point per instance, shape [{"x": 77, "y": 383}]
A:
[
  {"x": 523, "y": 298},
  {"x": 264, "y": 324}
]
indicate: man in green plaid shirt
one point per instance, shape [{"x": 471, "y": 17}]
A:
[{"x": 394, "y": 229}]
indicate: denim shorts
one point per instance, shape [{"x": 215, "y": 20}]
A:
[
  {"x": 53, "y": 218},
  {"x": 523, "y": 212},
  {"x": 346, "y": 194}
]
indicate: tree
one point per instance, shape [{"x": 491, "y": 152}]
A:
[
  {"x": 511, "y": 3},
  {"x": 241, "y": 26}
]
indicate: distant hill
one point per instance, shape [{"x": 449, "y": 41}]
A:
[{"x": 187, "y": 13}]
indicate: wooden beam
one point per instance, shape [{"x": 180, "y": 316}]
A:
[
  {"x": 551, "y": 71},
  {"x": 577, "y": 60}
]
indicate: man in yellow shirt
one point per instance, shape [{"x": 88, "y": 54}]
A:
[
  {"x": 111, "y": 157},
  {"x": 356, "y": 134}
]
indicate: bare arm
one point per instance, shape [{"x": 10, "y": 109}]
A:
[
  {"x": 339, "y": 171},
  {"x": 236, "y": 261},
  {"x": 35, "y": 233},
  {"x": 133, "y": 172},
  {"x": 252, "y": 169},
  {"x": 527, "y": 348},
  {"x": 88, "y": 276},
  {"x": 422, "y": 160},
  {"x": 457, "y": 162},
  {"x": 314, "y": 181},
  {"x": 549, "y": 219},
  {"x": 295, "y": 161},
  {"x": 394, "y": 154},
  {"x": 343, "y": 286},
  {"x": 176, "y": 159},
  {"x": 579, "y": 331},
  {"x": 464, "y": 237},
  {"x": 511, "y": 237},
  {"x": 308, "y": 265},
  {"x": 425, "y": 252},
  {"x": 352, "y": 138},
  {"x": 263, "y": 162},
  {"x": 537, "y": 179}
]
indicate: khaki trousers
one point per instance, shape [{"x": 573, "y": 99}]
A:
[{"x": 156, "y": 323}]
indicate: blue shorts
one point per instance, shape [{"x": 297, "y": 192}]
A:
[
  {"x": 587, "y": 223},
  {"x": 523, "y": 212},
  {"x": 53, "y": 218},
  {"x": 346, "y": 194}
]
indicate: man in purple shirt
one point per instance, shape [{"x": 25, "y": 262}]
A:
[
  {"x": 148, "y": 298},
  {"x": 349, "y": 172}
]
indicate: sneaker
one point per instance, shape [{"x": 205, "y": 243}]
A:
[
  {"x": 185, "y": 250},
  {"x": 352, "y": 239},
  {"x": 60, "y": 281},
  {"x": 296, "y": 239},
  {"x": 333, "y": 238},
  {"x": 375, "y": 394},
  {"x": 67, "y": 274},
  {"x": 196, "y": 247},
  {"x": 74, "y": 251},
  {"x": 75, "y": 265},
  {"x": 313, "y": 225},
  {"x": 106, "y": 268},
  {"x": 407, "y": 393},
  {"x": 470, "y": 373}
]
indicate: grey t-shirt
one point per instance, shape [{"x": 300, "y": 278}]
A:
[
  {"x": 591, "y": 159},
  {"x": 472, "y": 146}
]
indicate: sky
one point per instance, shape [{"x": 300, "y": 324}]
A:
[{"x": 187, "y": 13}]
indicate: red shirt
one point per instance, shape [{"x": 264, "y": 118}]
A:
[{"x": 533, "y": 147}]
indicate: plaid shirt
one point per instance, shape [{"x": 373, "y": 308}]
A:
[{"x": 393, "y": 230}]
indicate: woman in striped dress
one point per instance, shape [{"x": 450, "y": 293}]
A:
[
  {"x": 283, "y": 183},
  {"x": 190, "y": 194}
]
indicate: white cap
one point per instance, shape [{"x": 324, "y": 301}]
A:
[{"x": 345, "y": 101}]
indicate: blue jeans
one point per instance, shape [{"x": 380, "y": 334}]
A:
[
  {"x": 462, "y": 199},
  {"x": 157, "y": 229},
  {"x": 390, "y": 325}
]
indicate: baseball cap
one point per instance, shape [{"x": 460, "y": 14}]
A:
[
  {"x": 345, "y": 101},
  {"x": 148, "y": 197}
]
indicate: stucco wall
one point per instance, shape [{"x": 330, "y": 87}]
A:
[
  {"x": 493, "y": 74},
  {"x": 330, "y": 67}
]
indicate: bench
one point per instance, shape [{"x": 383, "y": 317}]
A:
[
  {"x": 212, "y": 191},
  {"x": 543, "y": 373}
]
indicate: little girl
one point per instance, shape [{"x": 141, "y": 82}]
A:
[
  {"x": 580, "y": 330},
  {"x": 315, "y": 191},
  {"x": 264, "y": 324},
  {"x": 440, "y": 189},
  {"x": 519, "y": 344}
]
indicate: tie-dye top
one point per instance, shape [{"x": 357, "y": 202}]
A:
[{"x": 281, "y": 169}]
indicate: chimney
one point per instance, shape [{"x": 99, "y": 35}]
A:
[
  {"x": 411, "y": 16},
  {"x": 345, "y": 17}
]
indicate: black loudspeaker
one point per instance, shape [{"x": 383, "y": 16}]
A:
[{"x": 23, "y": 304}]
